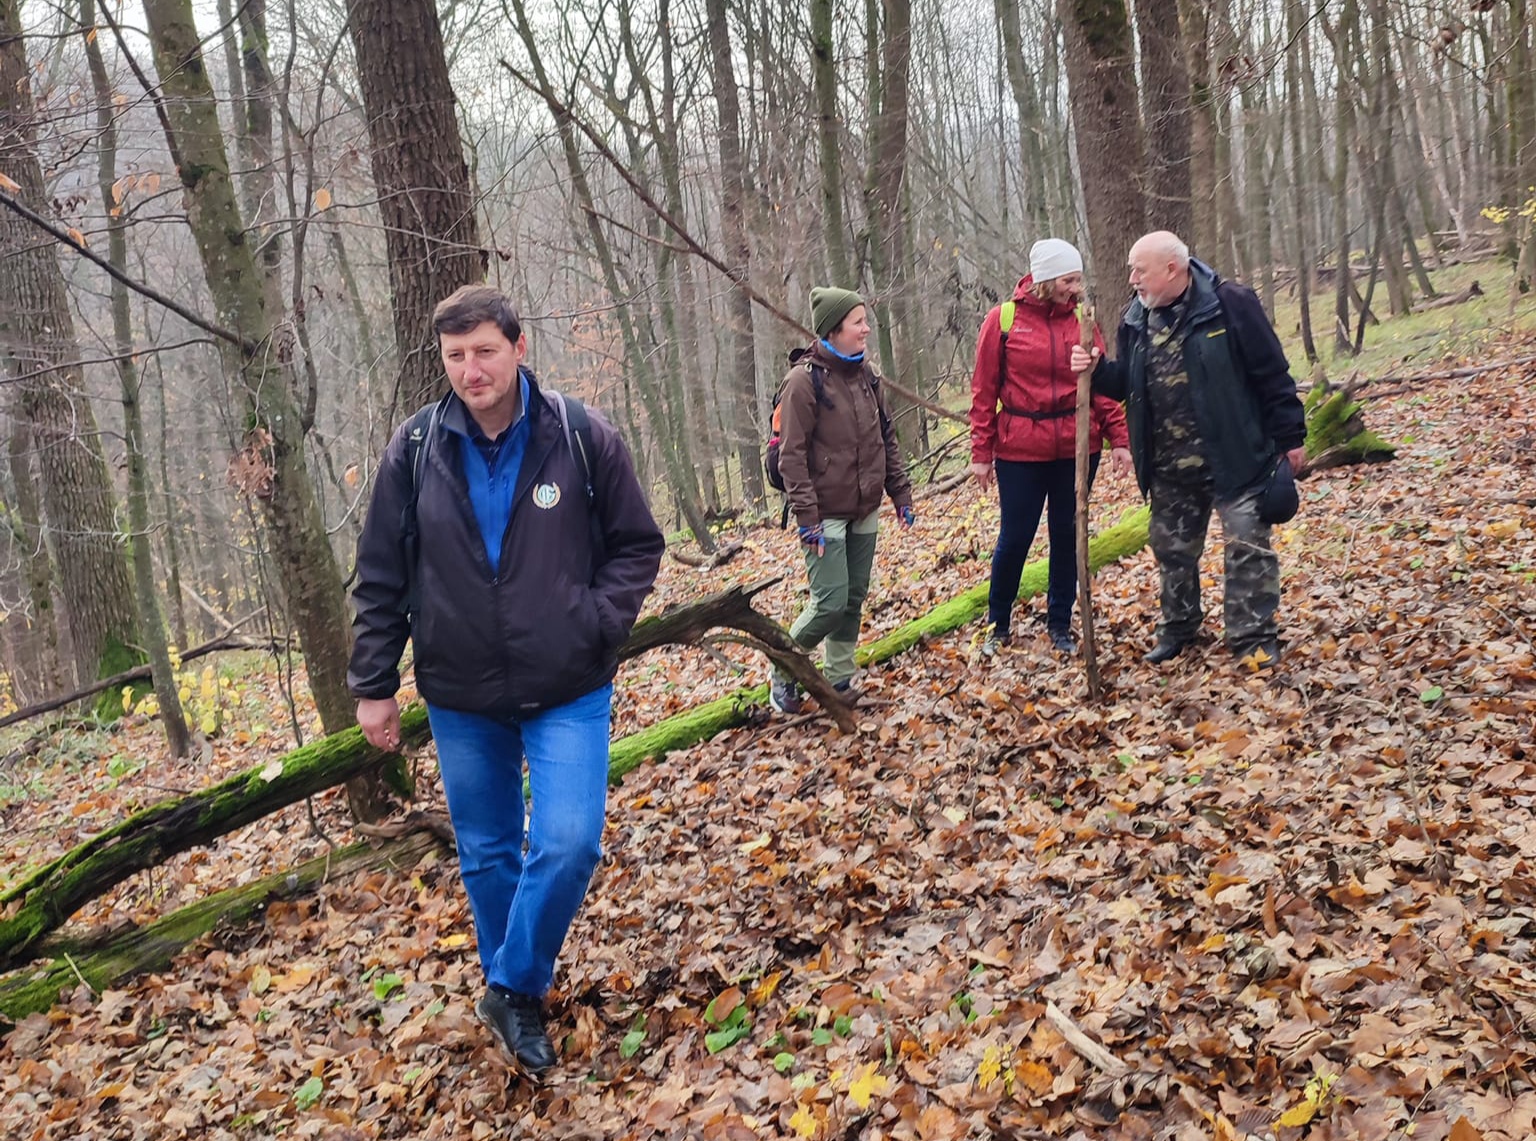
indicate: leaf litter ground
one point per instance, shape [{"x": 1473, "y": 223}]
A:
[{"x": 1304, "y": 896}]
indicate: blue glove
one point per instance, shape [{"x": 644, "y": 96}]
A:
[
  {"x": 906, "y": 515},
  {"x": 813, "y": 538}
]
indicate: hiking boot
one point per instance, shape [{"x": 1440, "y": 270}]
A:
[
  {"x": 846, "y": 691},
  {"x": 994, "y": 643},
  {"x": 516, "y": 1021},
  {"x": 784, "y": 696},
  {"x": 1062, "y": 640},
  {"x": 1165, "y": 651}
]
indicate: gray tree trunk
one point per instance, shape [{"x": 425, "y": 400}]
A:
[
  {"x": 1105, "y": 110},
  {"x": 38, "y": 348},
  {"x": 146, "y": 591},
  {"x": 271, "y": 466},
  {"x": 430, "y": 227}
]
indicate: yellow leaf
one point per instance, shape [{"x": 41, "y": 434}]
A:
[
  {"x": 322, "y": 199},
  {"x": 8, "y": 185},
  {"x": 261, "y": 980},
  {"x": 351, "y": 475},
  {"x": 867, "y": 1085},
  {"x": 77, "y": 237},
  {"x": 1256, "y": 660},
  {"x": 1037, "y": 1079},
  {"x": 127, "y": 697},
  {"x": 753, "y": 845},
  {"x": 991, "y": 1066},
  {"x": 90, "y": 36},
  {"x": 954, "y": 815},
  {"x": 1311, "y": 1103},
  {"x": 1298, "y": 1114},
  {"x": 120, "y": 187},
  {"x": 453, "y": 942},
  {"x": 209, "y": 724},
  {"x": 763, "y": 991},
  {"x": 1503, "y": 529},
  {"x": 804, "y": 1122}
]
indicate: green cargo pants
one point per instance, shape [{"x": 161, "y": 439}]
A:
[{"x": 839, "y": 581}]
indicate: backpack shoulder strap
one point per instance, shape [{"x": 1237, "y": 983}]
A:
[
  {"x": 577, "y": 426},
  {"x": 419, "y": 430},
  {"x": 1005, "y": 314}
]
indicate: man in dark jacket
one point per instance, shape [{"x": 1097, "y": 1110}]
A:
[
  {"x": 516, "y": 605},
  {"x": 1212, "y": 408}
]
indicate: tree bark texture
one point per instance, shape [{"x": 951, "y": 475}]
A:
[
  {"x": 1166, "y": 99},
  {"x": 1107, "y": 119},
  {"x": 741, "y": 350},
  {"x": 38, "y": 664},
  {"x": 146, "y": 592},
  {"x": 425, "y": 202},
  {"x": 37, "y": 342},
  {"x": 824, "y": 76},
  {"x": 272, "y": 465}
]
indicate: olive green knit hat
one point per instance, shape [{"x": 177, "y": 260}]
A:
[{"x": 829, "y": 305}]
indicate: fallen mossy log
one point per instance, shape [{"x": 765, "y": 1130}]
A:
[
  {"x": 52, "y": 893},
  {"x": 1125, "y": 538},
  {"x": 49, "y": 895},
  {"x": 152, "y": 947},
  {"x": 1336, "y": 431}
]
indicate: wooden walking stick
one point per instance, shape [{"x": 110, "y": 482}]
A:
[{"x": 1084, "y": 574}]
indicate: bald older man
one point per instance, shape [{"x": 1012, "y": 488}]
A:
[{"x": 1211, "y": 406}]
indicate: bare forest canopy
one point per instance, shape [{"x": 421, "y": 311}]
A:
[{"x": 222, "y": 229}]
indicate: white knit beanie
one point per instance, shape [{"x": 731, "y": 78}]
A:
[{"x": 1050, "y": 258}]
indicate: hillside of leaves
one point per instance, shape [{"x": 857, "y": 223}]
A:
[{"x": 1289, "y": 905}]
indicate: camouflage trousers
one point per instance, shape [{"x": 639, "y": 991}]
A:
[{"x": 1180, "y": 516}]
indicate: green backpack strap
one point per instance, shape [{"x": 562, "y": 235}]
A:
[{"x": 1005, "y": 315}]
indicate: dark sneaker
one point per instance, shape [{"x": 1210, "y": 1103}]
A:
[
  {"x": 994, "y": 643},
  {"x": 1063, "y": 642},
  {"x": 1165, "y": 651},
  {"x": 784, "y": 696},
  {"x": 846, "y": 691},
  {"x": 516, "y": 1021}
]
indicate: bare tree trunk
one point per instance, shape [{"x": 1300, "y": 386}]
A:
[
  {"x": 741, "y": 352},
  {"x": 430, "y": 227},
  {"x": 38, "y": 348},
  {"x": 1166, "y": 103},
  {"x": 828, "y": 136},
  {"x": 671, "y": 439},
  {"x": 1303, "y": 184},
  {"x": 146, "y": 591},
  {"x": 1102, "y": 81},
  {"x": 1034, "y": 170},
  {"x": 1195, "y": 20},
  {"x": 40, "y": 662},
  {"x": 271, "y": 467}
]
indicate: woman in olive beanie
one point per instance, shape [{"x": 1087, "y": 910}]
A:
[{"x": 839, "y": 457}]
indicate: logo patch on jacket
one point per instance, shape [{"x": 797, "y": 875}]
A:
[{"x": 546, "y": 495}]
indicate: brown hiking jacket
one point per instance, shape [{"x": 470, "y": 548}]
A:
[{"x": 838, "y": 454}]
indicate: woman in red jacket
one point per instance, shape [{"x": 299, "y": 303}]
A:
[{"x": 1024, "y": 430}]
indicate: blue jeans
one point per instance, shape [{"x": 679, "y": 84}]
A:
[
  {"x": 524, "y": 904},
  {"x": 1023, "y": 489}
]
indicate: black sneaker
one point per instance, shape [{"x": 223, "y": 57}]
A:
[
  {"x": 516, "y": 1021},
  {"x": 1063, "y": 642}
]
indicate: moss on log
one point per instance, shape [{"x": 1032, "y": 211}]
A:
[
  {"x": 152, "y": 947},
  {"x": 1126, "y": 537},
  {"x": 50, "y": 895},
  {"x": 1336, "y": 431}
]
